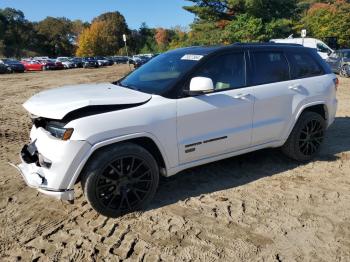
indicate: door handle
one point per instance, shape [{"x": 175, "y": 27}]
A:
[
  {"x": 242, "y": 96},
  {"x": 295, "y": 87}
]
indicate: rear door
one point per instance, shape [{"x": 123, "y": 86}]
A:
[
  {"x": 283, "y": 81},
  {"x": 273, "y": 92},
  {"x": 219, "y": 122}
]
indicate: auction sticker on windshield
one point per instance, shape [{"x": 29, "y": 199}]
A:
[{"x": 192, "y": 57}]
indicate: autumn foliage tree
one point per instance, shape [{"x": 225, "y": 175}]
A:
[
  {"x": 104, "y": 36},
  {"x": 162, "y": 38},
  {"x": 91, "y": 41},
  {"x": 328, "y": 20}
]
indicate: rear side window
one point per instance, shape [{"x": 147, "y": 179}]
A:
[
  {"x": 269, "y": 67},
  {"x": 304, "y": 65}
]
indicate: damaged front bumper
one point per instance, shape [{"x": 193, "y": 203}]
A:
[
  {"x": 48, "y": 164},
  {"x": 33, "y": 179}
]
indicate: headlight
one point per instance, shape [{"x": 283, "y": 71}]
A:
[{"x": 60, "y": 132}]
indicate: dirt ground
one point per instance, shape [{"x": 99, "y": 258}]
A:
[{"x": 256, "y": 207}]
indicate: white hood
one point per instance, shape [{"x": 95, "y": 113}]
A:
[{"x": 56, "y": 103}]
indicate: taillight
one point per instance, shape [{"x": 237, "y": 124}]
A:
[{"x": 336, "y": 83}]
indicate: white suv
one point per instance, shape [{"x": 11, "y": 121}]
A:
[{"x": 184, "y": 108}]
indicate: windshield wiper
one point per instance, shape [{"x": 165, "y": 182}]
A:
[{"x": 119, "y": 83}]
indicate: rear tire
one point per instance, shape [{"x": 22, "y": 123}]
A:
[
  {"x": 120, "y": 179},
  {"x": 344, "y": 71},
  {"x": 306, "y": 138}
]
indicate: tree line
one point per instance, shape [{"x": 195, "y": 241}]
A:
[
  {"x": 229, "y": 21},
  {"x": 216, "y": 22}
]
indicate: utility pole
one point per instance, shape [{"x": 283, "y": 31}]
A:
[{"x": 126, "y": 50}]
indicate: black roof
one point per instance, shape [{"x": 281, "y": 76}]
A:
[{"x": 205, "y": 50}]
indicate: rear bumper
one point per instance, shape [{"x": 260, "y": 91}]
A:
[{"x": 332, "y": 107}]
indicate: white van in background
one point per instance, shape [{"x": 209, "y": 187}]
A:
[{"x": 322, "y": 49}]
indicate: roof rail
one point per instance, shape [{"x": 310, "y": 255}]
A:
[{"x": 267, "y": 43}]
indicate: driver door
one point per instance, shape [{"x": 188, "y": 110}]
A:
[{"x": 220, "y": 122}]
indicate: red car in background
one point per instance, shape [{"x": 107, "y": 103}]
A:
[
  {"x": 38, "y": 65},
  {"x": 32, "y": 65}
]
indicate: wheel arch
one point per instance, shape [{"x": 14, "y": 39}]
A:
[
  {"x": 146, "y": 140},
  {"x": 319, "y": 107}
]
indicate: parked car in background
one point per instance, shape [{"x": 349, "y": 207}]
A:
[
  {"x": 4, "y": 69},
  {"x": 339, "y": 61},
  {"x": 102, "y": 61},
  {"x": 110, "y": 60},
  {"x": 140, "y": 61},
  {"x": 47, "y": 64},
  {"x": 131, "y": 60},
  {"x": 77, "y": 61},
  {"x": 67, "y": 63},
  {"x": 32, "y": 65},
  {"x": 121, "y": 59},
  {"x": 90, "y": 62},
  {"x": 185, "y": 108},
  {"x": 13, "y": 65},
  {"x": 322, "y": 49},
  {"x": 58, "y": 64},
  {"x": 40, "y": 58}
]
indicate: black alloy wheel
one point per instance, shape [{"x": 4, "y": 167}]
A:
[
  {"x": 345, "y": 71},
  {"x": 120, "y": 179},
  {"x": 306, "y": 138},
  {"x": 311, "y": 137},
  {"x": 124, "y": 184}
]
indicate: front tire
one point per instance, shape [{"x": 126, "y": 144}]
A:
[
  {"x": 120, "y": 179},
  {"x": 306, "y": 138}
]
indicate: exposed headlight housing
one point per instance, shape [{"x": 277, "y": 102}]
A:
[{"x": 60, "y": 132}]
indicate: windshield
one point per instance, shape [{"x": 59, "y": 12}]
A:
[{"x": 160, "y": 73}]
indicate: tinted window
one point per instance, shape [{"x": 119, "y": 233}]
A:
[
  {"x": 303, "y": 65},
  {"x": 335, "y": 55},
  {"x": 322, "y": 48},
  {"x": 269, "y": 67},
  {"x": 346, "y": 54},
  {"x": 227, "y": 71},
  {"x": 160, "y": 73}
]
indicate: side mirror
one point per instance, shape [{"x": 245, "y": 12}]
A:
[
  {"x": 330, "y": 52},
  {"x": 200, "y": 85}
]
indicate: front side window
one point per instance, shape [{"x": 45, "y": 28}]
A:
[
  {"x": 303, "y": 65},
  {"x": 269, "y": 67},
  {"x": 227, "y": 71}
]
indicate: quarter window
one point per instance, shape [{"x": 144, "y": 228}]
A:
[
  {"x": 227, "y": 71},
  {"x": 269, "y": 67},
  {"x": 303, "y": 65}
]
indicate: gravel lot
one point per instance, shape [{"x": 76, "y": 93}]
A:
[{"x": 259, "y": 207}]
